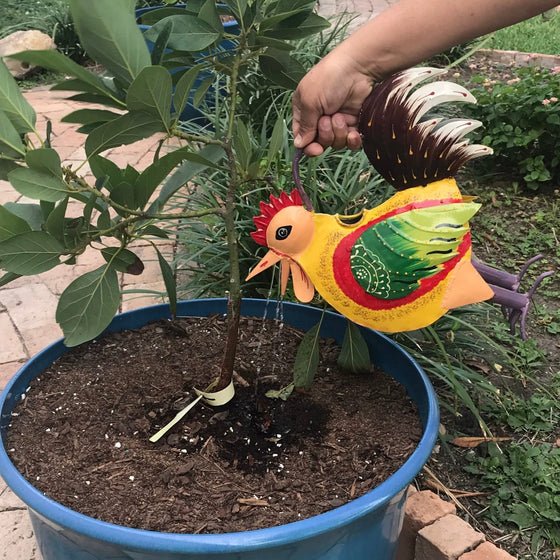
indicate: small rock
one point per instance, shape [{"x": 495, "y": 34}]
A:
[{"x": 32, "y": 40}]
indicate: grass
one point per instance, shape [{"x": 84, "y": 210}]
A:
[
  {"x": 540, "y": 34},
  {"x": 28, "y": 14}
]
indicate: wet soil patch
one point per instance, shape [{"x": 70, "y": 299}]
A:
[{"x": 81, "y": 433}]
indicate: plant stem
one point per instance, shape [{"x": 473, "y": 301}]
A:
[{"x": 234, "y": 292}]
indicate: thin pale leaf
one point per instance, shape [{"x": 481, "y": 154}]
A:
[{"x": 471, "y": 442}]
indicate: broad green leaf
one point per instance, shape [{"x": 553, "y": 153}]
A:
[
  {"x": 209, "y": 13},
  {"x": 54, "y": 60},
  {"x": 307, "y": 358},
  {"x": 151, "y": 92},
  {"x": 110, "y": 35},
  {"x": 89, "y": 116},
  {"x": 184, "y": 173},
  {"x": 31, "y": 213},
  {"x": 189, "y": 33},
  {"x": 238, "y": 8},
  {"x": 354, "y": 354},
  {"x": 276, "y": 139},
  {"x": 169, "y": 281},
  {"x": 6, "y": 166},
  {"x": 99, "y": 99},
  {"x": 283, "y": 6},
  {"x": 8, "y": 277},
  {"x": 155, "y": 231},
  {"x": 201, "y": 91},
  {"x": 45, "y": 160},
  {"x": 11, "y": 225},
  {"x": 55, "y": 222},
  {"x": 123, "y": 260},
  {"x": 160, "y": 44},
  {"x": 298, "y": 27},
  {"x": 12, "y": 102},
  {"x": 39, "y": 185},
  {"x": 88, "y": 305},
  {"x": 153, "y": 16},
  {"x": 10, "y": 136},
  {"x": 280, "y": 68},
  {"x": 127, "y": 129},
  {"x": 183, "y": 89},
  {"x": 104, "y": 220},
  {"x": 29, "y": 253},
  {"x": 272, "y": 21},
  {"x": 102, "y": 167},
  {"x": 274, "y": 43},
  {"x": 124, "y": 194}
]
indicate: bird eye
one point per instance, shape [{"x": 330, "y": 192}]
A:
[{"x": 283, "y": 232}]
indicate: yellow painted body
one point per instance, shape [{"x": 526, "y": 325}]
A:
[{"x": 317, "y": 261}]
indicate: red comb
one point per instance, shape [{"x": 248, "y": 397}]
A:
[{"x": 268, "y": 211}]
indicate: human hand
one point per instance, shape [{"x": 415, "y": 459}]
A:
[{"x": 327, "y": 102}]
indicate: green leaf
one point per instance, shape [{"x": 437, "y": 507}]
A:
[
  {"x": 10, "y": 136},
  {"x": 6, "y": 166},
  {"x": 30, "y": 253},
  {"x": 90, "y": 116},
  {"x": 307, "y": 358},
  {"x": 127, "y": 129},
  {"x": 39, "y": 185},
  {"x": 17, "y": 109},
  {"x": 31, "y": 213},
  {"x": 281, "y": 69},
  {"x": 169, "y": 281},
  {"x": 238, "y": 8},
  {"x": 11, "y": 225},
  {"x": 104, "y": 220},
  {"x": 123, "y": 260},
  {"x": 54, "y": 60},
  {"x": 55, "y": 221},
  {"x": 209, "y": 13},
  {"x": 298, "y": 27},
  {"x": 160, "y": 44},
  {"x": 189, "y": 33},
  {"x": 102, "y": 167},
  {"x": 183, "y": 89},
  {"x": 153, "y": 16},
  {"x": 8, "y": 277},
  {"x": 274, "y": 43},
  {"x": 45, "y": 160},
  {"x": 201, "y": 91},
  {"x": 125, "y": 195},
  {"x": 282, "y": 393},
  {"x": 88, "y": 305},
  {"x": 354, "y": 354},
  {"x": 155, "y": 231},
  {"x": 151, "y": 92},
  {"x": 110, "y": 35}
]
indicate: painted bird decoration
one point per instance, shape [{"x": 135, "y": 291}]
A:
[{"x": 404, "y": 264}]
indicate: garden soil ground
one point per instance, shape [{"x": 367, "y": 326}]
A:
[{"x": 81, "y": 433}]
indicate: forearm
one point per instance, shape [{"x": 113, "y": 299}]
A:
[{"x": 414, "y": 30}]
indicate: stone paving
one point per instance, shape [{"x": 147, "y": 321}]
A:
[{"x": 28, "y": 305}]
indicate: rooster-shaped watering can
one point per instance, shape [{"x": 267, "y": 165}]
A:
[{"x": 402, "y": 265}]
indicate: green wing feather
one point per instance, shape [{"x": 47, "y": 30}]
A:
[{"x": 391, "y": 257}]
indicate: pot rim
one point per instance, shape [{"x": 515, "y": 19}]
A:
[{"x": 224, "y": 542}]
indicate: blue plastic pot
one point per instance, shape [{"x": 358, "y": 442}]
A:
[
  {"x": 190, "y": 112},
  {"x": 367, "y": 528}
]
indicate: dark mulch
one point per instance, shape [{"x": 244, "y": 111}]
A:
[{"x": 81, "y": 434}]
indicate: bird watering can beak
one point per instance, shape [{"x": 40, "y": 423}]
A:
[{"x": 270, "y": 259}]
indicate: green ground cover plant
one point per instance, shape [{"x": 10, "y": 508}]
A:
[{"x": 540, "y": 34}]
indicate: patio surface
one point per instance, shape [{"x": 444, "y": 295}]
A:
[{"x": 27, "y": 305}]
